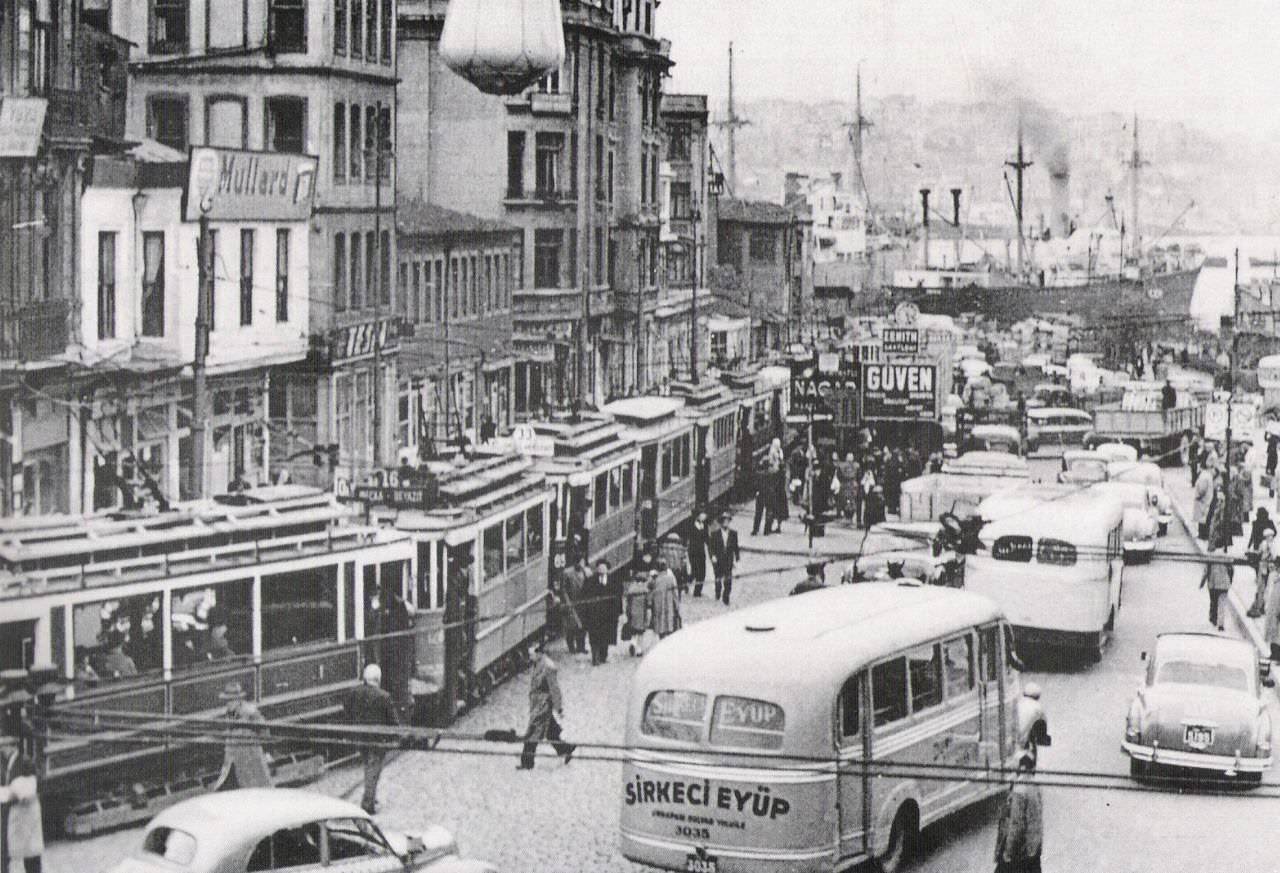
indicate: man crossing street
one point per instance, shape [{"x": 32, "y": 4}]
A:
[
  {"x": 723, "y": 546},
  {"x": 368, "y": 704},
  {"x": 546, "y": 707}
]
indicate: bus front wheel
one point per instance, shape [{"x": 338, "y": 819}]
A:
[{"x": 902, "y": 841}]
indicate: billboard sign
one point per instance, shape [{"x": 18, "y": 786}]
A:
[
  {"x": 901, "y": 340},
  {"x": 238, "y": 185},
  {"x": 817, "y": 392},
  {"x": 904, "y": 392},
  {"x": 21, "y": 124}
]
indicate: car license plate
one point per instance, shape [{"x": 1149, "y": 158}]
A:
[
  {"x": 1198, "y": 737},
  {"x": 701, "y": 862}
]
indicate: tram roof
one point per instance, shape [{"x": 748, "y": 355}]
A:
[
  {"x": 814, "y": 640},
  {"x": 644, "y": 410}
]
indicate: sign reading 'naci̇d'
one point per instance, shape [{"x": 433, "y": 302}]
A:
[
  {"x": 900, "y": 391},
  {"x": 234, "y": 185}
]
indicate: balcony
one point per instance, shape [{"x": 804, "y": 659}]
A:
[
  {"x": 33, "y": 330},
  {"x": 544, "y": 198},
  {"x": 97, "y": 108}
]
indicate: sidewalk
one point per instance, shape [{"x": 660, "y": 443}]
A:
[
  {"x": 841, "y": 536},
  {"x": 1177, "y": 481}
]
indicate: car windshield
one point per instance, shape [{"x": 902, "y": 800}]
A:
[
  {"x": 1199, "y": 673},
  {"x": 171, "y": 844}
]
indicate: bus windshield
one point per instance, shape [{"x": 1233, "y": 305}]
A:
[{"x": 740, "y": 722}]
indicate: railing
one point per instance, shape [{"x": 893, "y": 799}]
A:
[{"x": 33, "y": 330}]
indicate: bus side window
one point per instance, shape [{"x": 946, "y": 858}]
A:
[
  {"x": 957, "y": 662},
  {"x": 889, "y": 691},
  {"x": 851, "y": 707},
  {"x": 1011, "y": 660},
  {"x": 990, "y": 653}
]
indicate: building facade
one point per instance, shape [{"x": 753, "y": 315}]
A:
[
  {"x": 315, "y": 77},
  {"x": 572, "y": 162},
  {"x": 62, "y": 92}
]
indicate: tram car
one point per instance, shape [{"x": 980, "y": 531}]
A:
[
  {"x": 479, "y": 530},
  {"x": 761, "y": 397},
  {"x": 713, "y": 409},
  {"x": 665, "y": 483},
  {"x": 156, "y": 613}
]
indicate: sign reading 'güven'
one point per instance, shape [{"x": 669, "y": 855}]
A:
[{"x": 234, "y": 185}]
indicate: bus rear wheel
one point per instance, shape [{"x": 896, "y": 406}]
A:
[{"x": 902, "y": 841}]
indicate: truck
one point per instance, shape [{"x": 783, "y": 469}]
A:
[{"x": 1140, "y": 421}]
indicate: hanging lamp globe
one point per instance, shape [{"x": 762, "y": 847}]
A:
[{"x": 502, "y": 46}]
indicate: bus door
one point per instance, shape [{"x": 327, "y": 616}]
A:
[
  {"x": 961, "y": 745},
  {"x": 853, "y": 748},
  {"x": 648, "y": 492},
  {"x": 991, "y": 693}
]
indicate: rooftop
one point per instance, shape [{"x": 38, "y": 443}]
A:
[
  {"x": 753, "y": 211},
  {"x": 429, "y": 219}
]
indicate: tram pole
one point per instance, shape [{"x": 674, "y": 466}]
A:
[
  {"x": 1231, "y": 393},
  {"x": 199, "y": 390}
]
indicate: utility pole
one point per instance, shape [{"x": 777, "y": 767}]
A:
[
  {"x": 444, "y": 292},
  {"x": 731, "y": 124},
  {"x": 1231, "y": 393},
  {"x": 693, "y": 300},
  {"x": 1019, "y": 164},
  {"x": 199, "y": 392},
  {"x": 379, "y": 282}
]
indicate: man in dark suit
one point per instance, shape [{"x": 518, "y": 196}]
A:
[
  {"x": 723, "y": 546},
  {"x": 368, "y": 704}
]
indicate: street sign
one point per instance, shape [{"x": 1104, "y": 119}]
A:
[
  {"x": 901, "y": 340},
  {"x": 903, "y": 392}
]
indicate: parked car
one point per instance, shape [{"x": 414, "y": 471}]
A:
[
  {"x": 1141, "y": 523},
  {"x": 1201, "y": 708},
  {"x": 1081, "y": 467},
  {"x": 1149, "y": 474},
  {"x": 988, "y": 464},
  {"x": 994, "y": 438},
  {"x": 1116, "y": 451},
  {"x": 1050, "y": 394},
  {"x": 1056, "y": 427},
  {"x": 279, "y": 829}
]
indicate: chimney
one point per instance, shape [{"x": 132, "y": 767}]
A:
[
  {"x": 955, "y": 206},
  {"x": 924, "y": 205},
  {"x": 1060, "y": 193}
]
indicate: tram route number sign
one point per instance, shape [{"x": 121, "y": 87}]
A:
[
  {"x": 901, "y": 340},
  {"x": 903, "y": 392}
]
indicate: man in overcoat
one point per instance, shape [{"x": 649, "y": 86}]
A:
[
  {"x": 724, "y": 554},
  {"x": 244, "y": 758},
  {"x": 1020, "y": 832},
  {"x": 368, "y": 704},
  {"x": 546, "y": 708}
]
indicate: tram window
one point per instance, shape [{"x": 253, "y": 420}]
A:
[
  {"x": 675, "y": 715},
  {"x": 515, "y": 540},
  {"x": 989, "y": 652},
  {"x": 117, "y": 639},
  {"x": 533, "y": 531},
  {"x": 615, "y": 488},
  {"x": 926, "y": 677},
  {"x": 299, "y": 607},
  {"x": 957, "y": 664},
  {"x": 682, "y": 468},
  {"x": 668, "y": 451},
  {"x": 601, "y": 496},
  {"x": 628, "y": 484},
  {"x": 889, "y": 691},
  {"x": 211, "y": 623},
  {"x": 851, "y": 706},
  {"x": 492, "y": 552},
  {"x": 744, "y": 723}
]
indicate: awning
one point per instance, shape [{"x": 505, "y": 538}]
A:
[{"x": 722, "y": 323}]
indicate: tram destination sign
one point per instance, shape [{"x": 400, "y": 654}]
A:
[
  {"x": 903, "y": 392},
  {"x": 901, "y": 340},
  {"x": 399, "y": 496}
]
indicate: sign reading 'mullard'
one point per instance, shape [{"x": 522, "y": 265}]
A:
[{"x": 235, "y": 185}]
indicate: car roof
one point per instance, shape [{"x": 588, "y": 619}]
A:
[
  {"x": 248, "y": 814},
  {"x": 1205, "y": 647},
  {"x": 1046, "y": 411}
]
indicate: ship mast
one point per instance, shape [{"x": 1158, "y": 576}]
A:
[
  {"x": 731, "y": 124},
  {"x": 857, "y": 181},
  {"x": 1019, "y": 164},
  {"x": 1135, "y": 165}
]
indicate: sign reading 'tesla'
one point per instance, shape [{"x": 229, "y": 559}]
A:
[{"x": 900, "y": 391}]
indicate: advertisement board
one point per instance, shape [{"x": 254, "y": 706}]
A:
[
  {"x": 817, "y": 392},
  {"x": 238, "y": 185},
  {"x": 21, "y": 124},
  {"x": 903, "y": 392},
  {"x": 901, "y": 340}
]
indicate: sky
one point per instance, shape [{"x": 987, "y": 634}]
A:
[{"x": 1215, "y": 64}]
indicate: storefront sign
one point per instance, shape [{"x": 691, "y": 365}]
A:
[
  {"x": 360, "y": 340},
  {"x": 901, "y": 340},
  {"x": 21, "y": 123},
  {"x": 900, "y": 391},
  {"x": 819, "y": 393},
  {"x": 234, "y": 185}
]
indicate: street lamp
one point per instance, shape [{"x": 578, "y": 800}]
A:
[{"x": 502, "y": 46}]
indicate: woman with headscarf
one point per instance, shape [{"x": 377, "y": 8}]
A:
[{"x": 664, "y": 606}]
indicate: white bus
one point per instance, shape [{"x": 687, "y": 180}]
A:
[
  {"x": 1054, "y": 561},
  {"x": 817, "y": 732}
]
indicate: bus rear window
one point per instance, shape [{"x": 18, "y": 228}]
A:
[
  {"x": 1057, "y": 553},
  {"x": 1013, "y": 548},
  {"x": 743, "y": 723},
  {"x": 675, "y": 715}
]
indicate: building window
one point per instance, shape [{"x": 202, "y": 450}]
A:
[
  {"x": 153, "y": 283},
  {"x": 600, "y": 83},
  {"x": 224, "y": 122},
  {"x": 387, "y": 20},
  {"x": 340, "y": 27},
  {"x": 357, "y": 29},
  {"x": 599, "y": 168},
  {"x": 339, "y": 271},
  {"x": 653, "y": 175},
  {"x": 417, "y": 313},
  {"x": 167, "y": 30},
  {"x": 282, "y": 274},
  {"x": 681, "y": 201},
  {"x": 357, "y": 153},
  {"x": 546, "y": 257},
  {"x": 370, "y": 142},
  {"x": 610, "y": 179},
  {"x": 465, "y": 289},
  {"x": 453, "y": 287},
  {"x": 599, "y": 256},
  {"x": 385, "y": 253},
  {"x": 644, "y": 175},
  {"x": 167, "y": 120},
  {"x": 515, "y": 163},
  {"x": 357, "y": 275},
  {"x": 678, "y": 142},
  {"x": 371, "y": 30},
  {"x": 371, "y": 286},
  {"x": 386, "y": 149},
  {"x": 339, "y": 143},
  {"x": 550, "y": 150},
  {"x": 106, "y": 285},
  {"x": 437, "y": 291},
  {"x": 762, "y": 244},
  {"x": 286, "y": 124},
  {"x": 246, "y": 277},
  {"x": 287, "y": 26}
]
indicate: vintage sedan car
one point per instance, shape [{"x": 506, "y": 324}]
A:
[
  {"x": 1149, "y": 474},
  {"x": 1082, "y": 467},
  {"x": 1201, "y": 708},
  {"x": 1117, "y": 451},
  {"x": 1141, "y": 523},
  {"x": 279, "y": 829}
]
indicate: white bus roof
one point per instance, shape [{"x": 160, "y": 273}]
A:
[{"x": 1066, "y": 512}]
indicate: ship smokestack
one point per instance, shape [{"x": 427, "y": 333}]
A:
[
  {"x": 924, "y": 209},
  {"x": 1060, "y": 193},
  {"x": 955, "y": 206}
]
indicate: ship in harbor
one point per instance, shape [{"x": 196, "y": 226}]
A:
[{"x": 1100, "y": 273}]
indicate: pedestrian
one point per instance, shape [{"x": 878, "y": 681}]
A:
[
  {"x": 1193, "y": 455},
  {"x": 1241, "y": 485},
  {"x": 698, "y": 552},
  {"x": 777, "y": 501},
  {"x": 572, "y": 581},
  {"x": 849, "y": 473},
  {"x": 1261, "y": 522},
  {"x": 1217, "y": 579},
  {"x": 866, "y": 484},
  {"x": 21, "y": 821},
  {"x": 724, "y": 554},
  {"x": 1271, "y": 624},
  {"x": 1020, "y": 832},
  {"x": 603, "y": 606},
  {"x": 1266, "y": 557},
  {"x": 664, "y": 605},
  {"x": 1030, "y": 720},
  {"x": 243, "y": 758},
  {"x": 873, "y": 508},
  {"x": 116, "y": 664},
  {"x": 1168, "y": 395},
  {"x": 398, "y": 648},
  {"x": 546, "y": 709},
  {"x": 762, "y": 499},
  {"x": 1273, "y": 448},
  {"x": 813, "y": 579},
  {"x": 1204, "y": 491},
  {"x": 368, "y": 704}
]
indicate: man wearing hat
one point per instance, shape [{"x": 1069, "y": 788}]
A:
[
  {"x": 724, "y": 554},
  {"x": 1020, "y": 832},
  {"x": 21, "y": 828},
  {"x": 244, "y": 754},
  {"x": 546, "y": 707},
  {"x": 813, "y": 581},
  {"x": 368, "y": 704}
]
